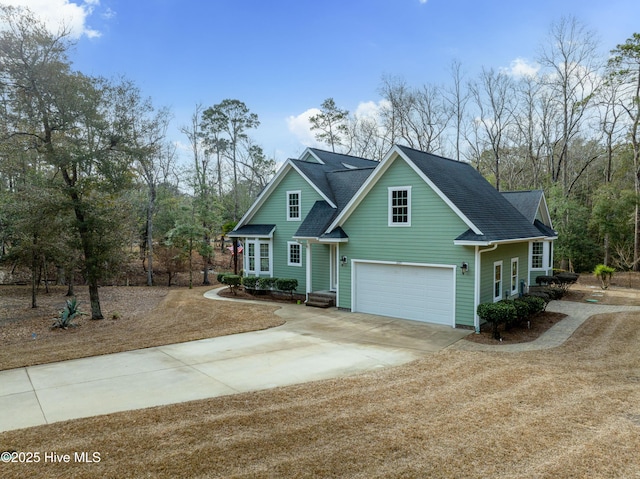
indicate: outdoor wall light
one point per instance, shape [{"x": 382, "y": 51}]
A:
[
  {"x": 343, "y": 260},
  {"x": 464, "y": 268}
]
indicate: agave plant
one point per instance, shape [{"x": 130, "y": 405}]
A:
[{"x": 67, "y": 315}]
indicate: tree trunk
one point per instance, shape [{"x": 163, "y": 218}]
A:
[
  {"x": 636, "y": 241},
  {"x": 206, "y": 260},
  {"x": 150, "y": 208},
  {"x": 94, "y": 299},
  {"x": 34, "y": 273}
]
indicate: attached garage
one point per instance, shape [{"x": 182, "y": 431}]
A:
[{"x": 408, "y": 291}]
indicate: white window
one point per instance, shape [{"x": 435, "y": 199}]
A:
[
  {"x": 497, "y": 281},
  {"x": 400, "y": 206},
  {"x": 258, "y": 257},
  {"x": 537, "y": 255},
  {"x": 514, "y": 276},
  {"x": 294, "y": 254},
  {"x": 293, "y": 205}
]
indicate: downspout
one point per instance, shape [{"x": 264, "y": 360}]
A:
[{"x": 476, "y": 294}]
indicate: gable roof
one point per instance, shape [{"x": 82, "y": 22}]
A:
[
  {"x": 322, "y": 170},
  {"x": 532, "y": 204},
  {"x": 489, "y": 216}
]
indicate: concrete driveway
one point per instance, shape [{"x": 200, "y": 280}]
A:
[{"x": 313, "y": 344}]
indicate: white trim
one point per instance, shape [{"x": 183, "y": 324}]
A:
[
  {"x": 453, "y": 267},
  {"x": 476, "y": 292},
  {"x": 493, "y": 281},
  {"x": 379, "y": 171},
  {"x": 513, "y": 289},
  {"x": 507, "y": 241},
  {"x": 289, "y": 245},
  {"x": 288, "y": 201},
  {"x": 334, "y": 264},
  {"x": 256, "y": 243},
  {"x": 390, "y": 191}
]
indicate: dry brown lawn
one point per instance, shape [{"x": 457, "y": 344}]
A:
[
  {"x": 144, "y": 317},
  {"x": 569, "y": 412}
]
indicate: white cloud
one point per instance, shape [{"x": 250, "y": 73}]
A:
[
  {"x": 301, "y": 127},
  {"x": 56, "y": 13},
  {"x": 520, "y": 67},
  {"x": 370, "y": 110}
]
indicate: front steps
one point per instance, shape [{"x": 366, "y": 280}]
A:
[{"x": 321, "y": 299}]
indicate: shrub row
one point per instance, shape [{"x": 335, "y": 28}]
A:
[
  {"x": 288, "y": 285},
  {"x": 510, "y": 311}
]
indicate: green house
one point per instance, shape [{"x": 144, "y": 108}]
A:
[{"x": 415, "y": 236}]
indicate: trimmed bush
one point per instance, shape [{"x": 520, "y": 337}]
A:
[
  {"x": 233, "y": 281},
  {"x": 535, "y": 303},
  {"x": 288, "y": 285},
  {"x": 266, "y": 283},
  {"x": 502, "y": 312},
  {"x": 250, "y": 282}
]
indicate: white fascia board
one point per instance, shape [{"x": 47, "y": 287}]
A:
[
  {"x": 266, "y": 192},
  {"x": 364, "y": 189},
  {"x": 312, "y": 153},
  {"x": 545, "y": 210},
  {"x": 499, "y": 242},
  {"x": 314, "y": 186}
]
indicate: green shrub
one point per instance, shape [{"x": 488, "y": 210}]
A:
[
  {"x": 502, "y": 312},
  {"x": 233, "y": 281},
  {"x": 604, "y": 274},
  {"x": 287, "y": 285},
  {"x": 220, "y": 277},
  {"x": 266, "y": 283},
  {"x": 250, "y": 282},
  {"x": 523, "y": 310},
  {"x": 536, "y": 304}
]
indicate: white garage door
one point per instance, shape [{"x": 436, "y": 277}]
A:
[{"x": 420, "y": 293}]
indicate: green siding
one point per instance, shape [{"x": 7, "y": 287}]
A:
[
  {"x": 428, "y": 240},
  {"x": 274, "y": 211},
  {"x": 320, "y": 273},
  {"x": 503, "y": 253}
]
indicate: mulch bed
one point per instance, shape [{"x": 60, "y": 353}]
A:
[{"x": 520, "y": 333}]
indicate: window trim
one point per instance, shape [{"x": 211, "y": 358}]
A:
[
  {"x": 514, "y": 285},
  {"x": 390, "y": 206},
  {"x": 290, "y": 244},
  {"x": 255, "y": 244},
  {"x": 288, "y": 205},
  {"x": 546, "y": 256},
  {"x": 494, "y": 282}
]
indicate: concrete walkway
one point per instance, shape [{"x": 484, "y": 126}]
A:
[
  {"x": 313, "y": 344},
  {"x": 577, "y": 313}
]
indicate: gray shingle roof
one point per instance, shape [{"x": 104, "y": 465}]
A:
[
  {"x": 337, "y": 182},
  {"x": 252, "y": 230},
  {"x": 526, "y": 202},
  {"x": 475, "y": 197}
]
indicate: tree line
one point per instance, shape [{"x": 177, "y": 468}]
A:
[
  {"x": 568, "y": 125},
  {"x": 88, "y": 178},
  {"x": 90, "y": 181}
]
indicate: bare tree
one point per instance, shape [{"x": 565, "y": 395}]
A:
[
  {"x": 493, "y": 94},
  {"x": 572, "y": 63}
]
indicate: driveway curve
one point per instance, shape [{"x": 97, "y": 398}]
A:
[{"x": 313, "y": 344}]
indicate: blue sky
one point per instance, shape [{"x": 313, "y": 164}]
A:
[{"x": 284, "y": 57}]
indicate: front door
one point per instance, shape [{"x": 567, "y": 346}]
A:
[{"x": 333, "y": 267}]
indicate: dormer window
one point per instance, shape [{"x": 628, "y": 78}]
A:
[
  {"x": 400, "y": 206},
  {"x": 293, "y": 205}
]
